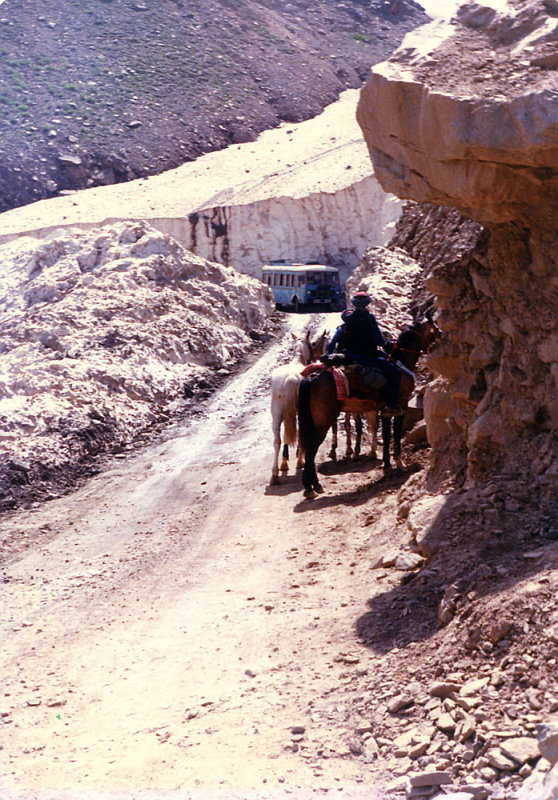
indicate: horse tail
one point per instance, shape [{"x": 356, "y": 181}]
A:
[
  {"x": 289, "y": 413},
  {"x": 306, "y": 428}
]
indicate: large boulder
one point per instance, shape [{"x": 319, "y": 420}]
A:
[{"x": 470, "y": 112}]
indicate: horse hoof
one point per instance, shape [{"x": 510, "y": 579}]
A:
[
  {"x": 274, "y": 480},
  {"x": 318, "y": 489},
  {"x": 309, "y": 494},
  {"x": 399, "y": 463}
]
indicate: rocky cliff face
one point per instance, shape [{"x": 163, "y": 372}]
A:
[{"x": 470, "y": 120}]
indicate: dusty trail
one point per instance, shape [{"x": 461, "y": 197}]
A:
[{"x": 175, "y": 626}]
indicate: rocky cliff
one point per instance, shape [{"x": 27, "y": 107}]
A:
[{"x": 470, "y": 120}]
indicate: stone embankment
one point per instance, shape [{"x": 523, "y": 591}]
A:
[
  {"x": 304, "y": 191},
  {"x": 463, "y": 699}
]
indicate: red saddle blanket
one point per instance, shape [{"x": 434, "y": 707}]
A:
[
  {"x": 348, "y": 382},
  {"x": 341, "y": 382}
]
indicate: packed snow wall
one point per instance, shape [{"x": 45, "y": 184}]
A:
[{"x": 305, "y": 192}]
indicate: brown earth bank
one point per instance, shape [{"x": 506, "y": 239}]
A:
[{"x": 100, "y": 93}]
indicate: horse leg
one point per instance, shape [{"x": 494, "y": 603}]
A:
[
  {"x": 318, "y": 408},
  {"x": 299, "y": 457},
  {"x": 285, "y": 462},
  {"x": 333, "y": 451},
  {"x": 386, "y": 438},
  {"x": 372, "y": 422},
  {"x": 310, "y": 480},
  {"x": 349, "y": 443},
  {"x": 397, "y": 436},
  {"x": 358, "y": 440},
  {"x": 277, "y": 446}
]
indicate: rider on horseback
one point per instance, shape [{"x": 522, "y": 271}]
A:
[{"x": 359, "y": 337}]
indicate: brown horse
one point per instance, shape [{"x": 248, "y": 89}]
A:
[
  {"x": 319, "y": 407},
  {"x": 284, "y": 398}
]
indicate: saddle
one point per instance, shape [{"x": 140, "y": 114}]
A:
[
  {"x": 351, "y": 379},
  {"x": 364, "y": 382}
]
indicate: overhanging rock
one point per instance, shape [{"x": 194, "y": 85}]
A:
[{"x": 469, "y": 119}]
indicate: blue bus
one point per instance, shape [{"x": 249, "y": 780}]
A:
[{"x": 299, "y": 286}]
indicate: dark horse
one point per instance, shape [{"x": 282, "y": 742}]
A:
[{"x": 318, "y": 406}]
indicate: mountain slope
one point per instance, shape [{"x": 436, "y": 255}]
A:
[{"x": 114, "y": 89}]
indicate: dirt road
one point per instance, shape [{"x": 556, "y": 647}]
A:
[{"x": 177, "y": 626}]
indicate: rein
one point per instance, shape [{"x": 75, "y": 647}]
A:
[
  {"x": 406, "y": 369},
  {"x": 406, "y": 350}
]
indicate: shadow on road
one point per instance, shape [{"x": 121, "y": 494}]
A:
[
  {"x": 346, "y": 465},
  {"x": 388, "y": 481},
  {"x": 288, "y": 485}
]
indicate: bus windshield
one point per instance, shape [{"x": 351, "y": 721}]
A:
[
  {"x": 301, "y": 286},
  {"x": 327, "y": 278}
]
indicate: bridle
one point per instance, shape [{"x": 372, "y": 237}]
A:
[
  {"x": 422, "y": 337},
  {"x": 305, "y": 351}
]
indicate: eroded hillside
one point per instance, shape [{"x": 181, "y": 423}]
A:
[{"x": 103, "y": 92}]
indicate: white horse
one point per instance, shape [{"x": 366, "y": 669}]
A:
[{"x": 285, "y": 381}]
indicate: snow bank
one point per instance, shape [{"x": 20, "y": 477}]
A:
[
  {"x": 303, "y": 191},
  {"x": 108, "y": 329}
]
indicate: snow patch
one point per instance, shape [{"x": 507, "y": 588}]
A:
[{"x": 111, "y": 327}]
